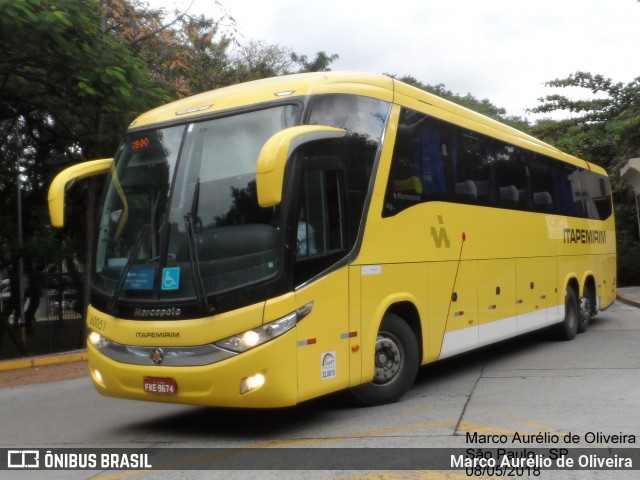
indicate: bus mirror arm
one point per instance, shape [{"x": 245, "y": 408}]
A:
[
  {"x": 275, "y": 153},
  {"x": 65, "y": 179}
]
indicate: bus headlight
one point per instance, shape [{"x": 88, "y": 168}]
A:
[
  {"x": 97, "y": 340},
  {"x": 252, "y": 338}
]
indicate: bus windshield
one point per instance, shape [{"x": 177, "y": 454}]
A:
[{"x": 180, "y": 220}]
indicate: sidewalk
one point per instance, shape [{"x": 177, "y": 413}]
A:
[{"x": 630, "y": 295}]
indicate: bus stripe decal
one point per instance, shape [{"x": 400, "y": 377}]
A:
[
  {"x": 348, "y": 335},
  {"x": 469, "y": 338}
]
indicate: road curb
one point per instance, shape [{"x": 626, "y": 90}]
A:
[
  {"x": 628, "y": 300},
  {"x": 42, "y": 361}
]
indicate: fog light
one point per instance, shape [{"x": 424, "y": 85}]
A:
[
  {"x": 97, "y": 376},
  {"x": 253, "y": 382}
]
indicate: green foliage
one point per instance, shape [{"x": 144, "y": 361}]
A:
[
  {"x": 483, "y": 106},
  {"x": 56, "y": 62},
  {"x": 257, "y": 60},
  {"x": 188, "y": 54},
  {"x": 67, "y": 93},
  {"x": 184, "y": 54},
  {"x": 320, "y": 63},
  {"x": 603, "y": 129}
]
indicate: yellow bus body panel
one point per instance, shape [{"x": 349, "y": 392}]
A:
[{"x": 323, "y": 337}]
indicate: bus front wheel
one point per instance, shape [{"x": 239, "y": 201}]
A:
[
  {"x": 569, "y": 327},
  {"x": 396, "y": 362}
]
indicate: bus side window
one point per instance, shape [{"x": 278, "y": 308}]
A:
[
  {"x": 472, "y": 168},
  {"x": 594, "y": 194},
  {"x": 320, "y": 228},
  {"x": 431, "y": 163},
  {"x": 567, "y": 184},
  {"x": 419, "y": 167},
  {"x": 541, "y": 180},
  {"x": 600, "y": 191},
  {"x": 511, "y": 175}
]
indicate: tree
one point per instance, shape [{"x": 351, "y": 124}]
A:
[
  {"x": 59, "y": 70},
  {"x": 187, "y": 54},
  {"x": 184, "y": 54},
  {"x": 66, "y": 92},
  {"x": 320, "y": 63},
  {"x": 257, "y": 59},
  {"x": 483, "y": 106},
  {"x": 603, "y": 129}
]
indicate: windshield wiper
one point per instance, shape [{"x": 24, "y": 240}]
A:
[
  {"x": 193, "y": 251},
  {"x": 125, "y": 272}
]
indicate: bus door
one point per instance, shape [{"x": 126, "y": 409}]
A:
[{"x": 320, "y": 243}]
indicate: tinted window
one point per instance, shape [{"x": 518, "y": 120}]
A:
[
  {"x": 567, "y": 184},
  {"x": 362, "y": 115},
  {"x": 435, "y": 160},
  {"x": 472, "y": 159},
  {"x": 541, "y": 181},
  {"x": 511, "y": 176},
  {"x": 421, "y": 163}
]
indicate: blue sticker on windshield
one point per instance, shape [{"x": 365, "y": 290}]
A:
[
  {"x": 171, "y": 278},
  {"x": 139, "y": 279}
]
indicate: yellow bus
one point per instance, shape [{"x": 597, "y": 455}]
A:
[{"x": 271, "y": 242}]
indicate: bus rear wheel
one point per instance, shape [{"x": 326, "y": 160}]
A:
[
  {"x": 568, "y": 329},
  {"x": 396, "y": 364},
  {"x": 587, "y": 308}
]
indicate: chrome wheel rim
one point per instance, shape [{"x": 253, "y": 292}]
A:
[{"x": 389, "y": 359}]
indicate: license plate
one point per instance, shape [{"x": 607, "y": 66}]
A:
[{"x": 160, "y": 386}]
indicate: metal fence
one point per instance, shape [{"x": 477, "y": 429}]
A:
[{"x": 52, "y": 319}]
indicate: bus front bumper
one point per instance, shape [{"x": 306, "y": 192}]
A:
[{"x": 264, "y": 377}]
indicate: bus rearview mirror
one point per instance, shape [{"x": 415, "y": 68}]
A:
[
  {"x": 66, "y": 177},
  {"x": 275, "y": 153}
]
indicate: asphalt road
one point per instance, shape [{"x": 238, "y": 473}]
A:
[{"x": 588, "y": 388}]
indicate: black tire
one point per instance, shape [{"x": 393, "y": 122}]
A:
[
  {"x": 587, "y": 308},
  {"x": 396, "y": 364},
  {"x": 569, "y": 327}
]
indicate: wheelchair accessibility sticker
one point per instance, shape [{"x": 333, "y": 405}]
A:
[{"x": 171, "y": 278}]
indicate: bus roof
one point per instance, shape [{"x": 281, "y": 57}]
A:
[
  {"x": 373, "y": 85},
  {"x": 268, "y": 90}
]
